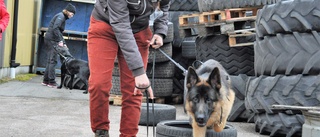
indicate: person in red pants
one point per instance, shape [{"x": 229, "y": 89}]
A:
[
  {"x": 4, "y": 19},
  {"x": 120, "y": 29}
]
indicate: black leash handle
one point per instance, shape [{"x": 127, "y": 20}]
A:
[
  {"x": 153, "y": 126},
  {"x": 147, "y": 99}
]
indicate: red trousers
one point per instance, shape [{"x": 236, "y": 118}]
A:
[{"x": 102, "y": 51}]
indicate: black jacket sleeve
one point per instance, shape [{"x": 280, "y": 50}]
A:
[{"x": 58, "y": 27}]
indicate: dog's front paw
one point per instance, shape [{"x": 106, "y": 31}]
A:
[
  {"x": 85, "y": 92},
  {"x": 59, "y": 87}
]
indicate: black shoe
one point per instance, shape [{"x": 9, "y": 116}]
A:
[{"x": 102, "y": 133}]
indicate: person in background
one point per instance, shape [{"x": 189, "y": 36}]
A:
[
  {"x": 52, "y": 38},
  {"x": 120, "y": 29},
  {"x": 4, "y": 21}
]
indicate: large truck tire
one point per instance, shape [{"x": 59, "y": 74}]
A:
[
  {"x": 184, "y": 5},
  {"x": 288, "y": 54},
  {"x": 298, "y": 90},
  {"x": 236, "y": 60},
  {"x": 239, "y": 111},
  {"x": 210, "y": 5},
  {"x": 288, "y": 16},
  {"x": 280, "y": 124}
]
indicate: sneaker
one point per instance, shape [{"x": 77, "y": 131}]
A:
[
  {"x": 102, "y": 133},
  {"x": 44, "y": 83},
  {"x": 52, "y": 85}
]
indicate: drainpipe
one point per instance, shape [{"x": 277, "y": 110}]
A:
[{"x": 13, "y": 63}]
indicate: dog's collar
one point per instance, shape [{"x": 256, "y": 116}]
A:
[{"x": 67, "y": 59}]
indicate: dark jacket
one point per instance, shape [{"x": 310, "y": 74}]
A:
[
  {"x": 128, "y": 17},
  {"x": 56, "y": 27}
]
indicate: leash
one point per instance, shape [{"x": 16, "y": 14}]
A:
[
  {"x": 174, "y": 62},
  {"x": 64, "y": 57},
  {"x": 152, "y": 100},
  {"x": 147, "y": 100}
]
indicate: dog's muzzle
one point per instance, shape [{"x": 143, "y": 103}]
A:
[{"x": 201, "y": 120}]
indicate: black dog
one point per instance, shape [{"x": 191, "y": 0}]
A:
[{"x": 71, "y": 66}]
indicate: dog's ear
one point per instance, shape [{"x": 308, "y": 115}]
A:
[
  {"x": 214, "y": 79},
  {"x": 192, "y": 77}
]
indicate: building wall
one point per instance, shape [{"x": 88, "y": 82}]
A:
[{"x": 27, "y": 33}]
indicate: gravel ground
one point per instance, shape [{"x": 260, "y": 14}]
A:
[{"x": 28, "y": 109}]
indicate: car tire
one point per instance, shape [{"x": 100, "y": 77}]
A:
[
  {"x": 162, "y": 112},
  {"x": 182, "y": 128}
]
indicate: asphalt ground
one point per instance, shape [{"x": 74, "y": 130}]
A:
[{"x": 28, "y": 109}]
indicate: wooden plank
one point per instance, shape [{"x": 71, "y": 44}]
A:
[
  {"x": 232, "y": 41},
  {"x": 242, "y": 44},
  {"x": 241, "y": 35},
  {"x": 251, "y": 18}
]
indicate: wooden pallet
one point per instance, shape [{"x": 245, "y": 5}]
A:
[
  {"x": 240, "y": 33},
  {"x": 216, "y": 22},
  {"x": 204, "y": 17},
  {"x": 215, "y": 27},
  {"x": 240, "y": 12},
  {"x": 117, "y": 100},
  {"x": 216, "y": 16}
]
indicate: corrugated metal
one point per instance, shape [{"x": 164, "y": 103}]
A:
[
  {"x": 26, "y": 33},
  {"x": 7, "y": 36}
]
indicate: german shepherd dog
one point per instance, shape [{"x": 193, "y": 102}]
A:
[
  {"x": 208, "y": 97},
  {"x": 71, "y": 66}
]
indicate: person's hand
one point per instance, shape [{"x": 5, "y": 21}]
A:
[
  {"x": 156, "y": 41},
  {"x": 142, "y": 84},
  {"x": 61, "y": 44}
]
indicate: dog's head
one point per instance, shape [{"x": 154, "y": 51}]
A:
[{"x": 202, "y": 94}]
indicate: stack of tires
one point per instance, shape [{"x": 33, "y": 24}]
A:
[
  {"x": 183, "y": 48},
  {"x": 287, "y": 66}
]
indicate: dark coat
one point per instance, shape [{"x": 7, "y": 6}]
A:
[
  {"x": 56, "y": 27},
  {"x": 128, "y": 17}
]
